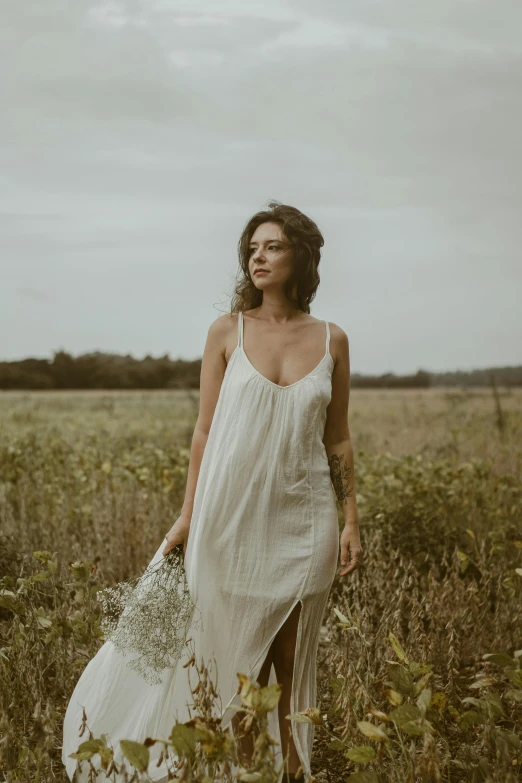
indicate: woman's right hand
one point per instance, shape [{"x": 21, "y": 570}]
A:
[{"x": 178, "y": 534}]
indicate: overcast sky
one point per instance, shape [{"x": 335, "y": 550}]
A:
[{"x": 138, "y": 136}]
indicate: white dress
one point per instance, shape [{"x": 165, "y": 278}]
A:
[{"x": 263, "y": 537}]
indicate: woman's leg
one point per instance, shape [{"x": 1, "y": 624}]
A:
[
  {"x": 246, "y": 744},
  {"x": 284, "y": 657}
]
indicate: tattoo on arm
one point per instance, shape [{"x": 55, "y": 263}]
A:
[{"x": 341, "y": 475}]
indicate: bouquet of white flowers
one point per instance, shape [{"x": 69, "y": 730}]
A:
[{"x": 149, "y": 616}]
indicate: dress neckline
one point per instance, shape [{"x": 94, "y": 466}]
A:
[
  {"x": 278, "y": 385},
  {"x": 263, "y": 377}
]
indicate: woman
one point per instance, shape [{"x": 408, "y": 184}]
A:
[{"x": 259, "y": 524}]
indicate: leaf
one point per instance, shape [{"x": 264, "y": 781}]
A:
[
  {"x": 379, "y": 714},
  {"x": 413, "y": 728},
  {"x": 80, "y": 569},
  {"x": 464, "y": 561},
  {"x": 87, "y": 749},
  {"x": 399, "y": 652},
  {"x": 209, "y": 740},
  {"x": 484, "y": 682},
  {"x": 246, "y": 689},
  {"x": 404, "y": 714},
  {"x": 453, "y": 712},
  {"x": 336, "y": 684},
  {"x": 439, "y": 700},
  {"x": 8, "y": 600},
  {"x": 513, "y": 740},
  {"x": 421, "y": 684},
  {"x": 298, "y": 717},
  {"x": 420, "y": 668},
  {"x": 52, "y": 566},
  {"x": 106, "y": 756},
  {"x": 42, "y": 555},
  {"x": 478, "y": 703},
  {"x": 41, "y": 576},
  {"x": 251, "y": 777},
  {"x": 501, "y": 659},
  {"x": 470, "y": 718},
  {"x": 262, "y": 700},
  {"x": 341, "y": 617},
  {"x": 516, "y": 677},
  {"x": 136, "y": 753},
  {"x": 401, "y": 679},
  {"x": 366, "y": 776},
  {"x": 314, "y": 714},
  {"x": 183, "y": 739},
  {"x": 394, "y": 696},
  {"x": 337, "y": 744},
  {"x": 496, "y": 707},
  {"x": 267, "y": 699},
  {"x": 371, "y": 731},
  {"x": 510, "y": 695},
  {"x": 361, "y": 754},
  {"x": 424, "y": 700}
]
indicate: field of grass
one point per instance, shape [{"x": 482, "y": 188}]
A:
[{"x": 91, "y": 482}]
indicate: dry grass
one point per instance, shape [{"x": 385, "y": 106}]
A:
[
  {"x": 460, "y": 425},
  {"x": 99, "y": 478}
]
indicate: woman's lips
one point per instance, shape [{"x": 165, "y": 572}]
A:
[{"x": 261, "y": 272}]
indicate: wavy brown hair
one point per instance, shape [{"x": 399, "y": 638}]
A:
[{"x": 306, "y": 240}]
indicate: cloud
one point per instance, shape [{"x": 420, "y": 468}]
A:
[
  {"x": 313, "y": 32},
  {"x": 202, "y": 20},
  {"x": 33, "y": 294},
  {"x": 190, "y": 58},
  {"x": 115, "y": 14}
]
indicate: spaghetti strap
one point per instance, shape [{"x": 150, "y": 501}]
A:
[
  {"x": 327, "y": 337},
  {"x": 240, "y": 329}
]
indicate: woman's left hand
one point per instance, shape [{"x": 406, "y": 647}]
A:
[{"x": 351, "y": 552}]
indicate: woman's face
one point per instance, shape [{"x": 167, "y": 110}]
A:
[{"x": 270, "y": 251}]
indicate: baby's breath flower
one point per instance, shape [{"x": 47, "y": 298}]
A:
[{"x": 149, "y": 616}]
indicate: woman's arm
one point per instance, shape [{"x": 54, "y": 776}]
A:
[
  {"x": 339, "y": 450},
  {"x": 213, "y": 366}
]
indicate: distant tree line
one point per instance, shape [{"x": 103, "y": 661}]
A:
[
  {"x": 501, "y": 376},
  {"x": 112, "y": 371},
  {"x": 100, "y": 371}
]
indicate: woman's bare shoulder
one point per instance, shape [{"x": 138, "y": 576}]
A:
[
  {"x": 337, "y": 331},
  {"x": 339, "y": 344},
  {"x": 223, "y": 324},
  {"x": 222, "y": 333}
]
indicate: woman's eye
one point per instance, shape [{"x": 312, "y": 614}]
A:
[{"x": 270, "y": 247}]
